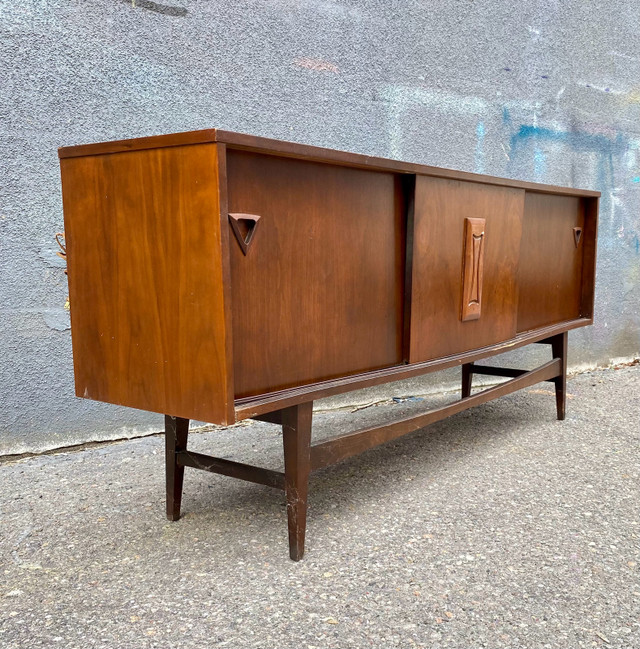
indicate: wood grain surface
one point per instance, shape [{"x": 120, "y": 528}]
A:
[
  {"x": 251, "y": 407},
  {"x": 441, "y": 207},
  {"x": 472, "y": 269},
  {"x": 353, "y": 270},
  {"x": 550, "y": 268},
  {"x": 589, "y": 255},
  {"x": 296, "y": 150},
  {"x": 319, "y": 293},
  {"x": 218, "y": 276},
  {"x": 145, "y": 281}
]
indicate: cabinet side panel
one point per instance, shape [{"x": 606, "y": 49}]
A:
[
  {"x": 145, "y": 280},
  {"x": 319, "y": 292},
  {"x": 590, "y": 239},
  {"x": 550, "y": 269}
]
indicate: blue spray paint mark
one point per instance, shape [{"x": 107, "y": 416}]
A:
[
  {"x": 636, "y": 179},
  {"x": 637, "y": 245},
  {"x": 575, "y": 139},
  {"x": 506, "y": 116},
  {"x": 528, "y": 139},
  {"x": 479, "y": 157},
  {"x": 528, "y": 143}
]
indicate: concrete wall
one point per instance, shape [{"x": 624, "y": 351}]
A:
[{"x": 545, "y": 91}]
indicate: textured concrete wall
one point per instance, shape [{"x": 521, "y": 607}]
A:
[{"x": 545, "y": 91}]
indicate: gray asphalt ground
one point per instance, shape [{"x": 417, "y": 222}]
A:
[{"x": 499, "y": 527}]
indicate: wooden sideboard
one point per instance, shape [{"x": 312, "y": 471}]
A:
[{"x": 216, "y": 276}]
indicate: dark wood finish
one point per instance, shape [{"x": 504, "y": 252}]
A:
[
  {"x": 441, "y": 207},
  {"x": 140, "y": 143},
  {"x": 409, "y": 192},
  {"x": 244, "y": 227},
  {"x": 253, "y": 407},
  {"x": 550, "y": 266},
  {"x": 296, "y": 435},
  {"x": 559, "y": 347},
  {"x": 470, "y": 369},
  {"x": 246, "y": 142},
  {"x": 490, "y": 370},
  {"x": 343, "y": 272},
  {"x": 274, "y": 417},
  {"x": 225, "y": 273},
  {"x": 577, "y": 235},
  {"x": 176, "y": 435},
  {"x": 467, "y": 379},
  {"x": 145, "y": 281},
  {"x": 232, "y": 469},
  {"x": 330, "y": 239},
  {"x": 344, "y": 446},
  {"x": 472, "y": 269},
  {"x": 589, "y": 239}
]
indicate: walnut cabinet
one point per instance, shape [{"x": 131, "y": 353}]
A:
[{"x": 216, "y": 276}]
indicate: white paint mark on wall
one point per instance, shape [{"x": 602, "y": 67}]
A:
[
  {"x": 404, "y": 98},
  {"x": 614, "y": 201},
  {"x": 479, "y": 155},
  {"x": 624, "y": 56}
]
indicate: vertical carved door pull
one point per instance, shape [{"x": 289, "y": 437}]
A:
[{"x": 472, "y": 267}]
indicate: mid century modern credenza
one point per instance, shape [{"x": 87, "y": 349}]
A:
[{"x": 215, "y": 276}]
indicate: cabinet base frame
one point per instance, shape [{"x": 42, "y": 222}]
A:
[{"x": 301, "y": 457}]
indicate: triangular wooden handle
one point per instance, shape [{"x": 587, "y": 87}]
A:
[
  {"x": 577, "y": 234},
  {"x": 244, "y": 227}
]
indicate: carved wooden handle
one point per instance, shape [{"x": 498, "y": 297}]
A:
[
  {"x": 577, "y": 235},
  {"x": 472, "y": 267},
  {"x": 244, "y": 227}
]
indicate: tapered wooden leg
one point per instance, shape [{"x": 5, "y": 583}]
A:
[
  {"x": 559, "y": 347},
  {"x": 176, "y": 434},
  {"x": 467, "y": 377},
  {"x": 296, "y": 434}
]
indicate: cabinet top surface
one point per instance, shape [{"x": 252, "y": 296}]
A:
[{"x": 303, "y": 151}]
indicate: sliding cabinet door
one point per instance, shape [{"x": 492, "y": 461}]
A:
[
  {"x": 466, "y": 241},
  {"x": 318, "y": 278},
  {"x": 554, "y": 238}
]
